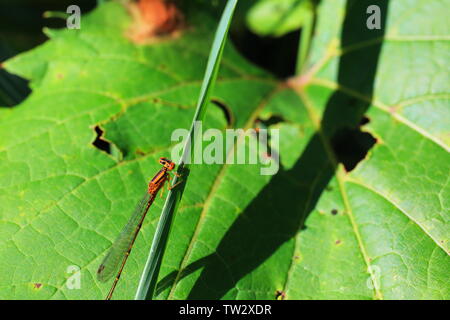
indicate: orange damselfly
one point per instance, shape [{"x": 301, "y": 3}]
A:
[{"x": 121, "y": 248}]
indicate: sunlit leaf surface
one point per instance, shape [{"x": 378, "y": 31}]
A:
[{"x": 312, "y": 231}]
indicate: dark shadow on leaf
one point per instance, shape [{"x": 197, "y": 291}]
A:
[
  {"x": 268, "y": 222},
  {"x": 280, "y": 210},
  {"x": 168, "y": 280}
]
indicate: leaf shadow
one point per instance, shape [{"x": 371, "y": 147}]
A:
[{"x": 270, "y": 220}]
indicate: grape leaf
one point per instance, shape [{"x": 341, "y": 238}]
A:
[{"x": 312, "y": 231}]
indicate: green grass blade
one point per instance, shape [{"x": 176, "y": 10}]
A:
[{"x": 149, "y": 276}]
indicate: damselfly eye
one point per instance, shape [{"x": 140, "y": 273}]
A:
[
  {"x": 170, "y": 165},
  {"x": 167, "y": 163}
]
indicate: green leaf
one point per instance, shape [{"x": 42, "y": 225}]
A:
[
  {"x": 278, "y": 17},
  {"x": 312, "y": 231}
]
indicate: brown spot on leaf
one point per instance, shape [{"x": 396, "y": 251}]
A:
[
  {"x": 334, "y": 212},
  {"x": 37, "y": 285},
  {"x": 140, "y": 152},
  {"x": 101, "y": 268},
  {"x": 393, "y": 109},
  {"x": 338, "y": 241},
  {"x": 153, "y": 20}
]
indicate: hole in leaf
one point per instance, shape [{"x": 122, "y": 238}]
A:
[
  {"x": 365, "y": 120},
  {"x": 273, "y": 120},
  {"x": 226, "y": 111},
  {"x": 351, "y": 146},
  {"x": 100, "y": 143}
]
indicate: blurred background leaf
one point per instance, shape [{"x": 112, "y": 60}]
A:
[{"x": 279, "y": 17}]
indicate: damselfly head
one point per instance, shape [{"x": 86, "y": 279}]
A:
[{"x": 168, "y": 164}]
